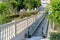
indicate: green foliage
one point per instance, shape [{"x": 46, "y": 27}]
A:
[
  {"x": 14, "y": 3},
  {"x": 37, "y": 3},
  {"x": 20, "y": 4},
  {"x": 28, "y": 4},
  {"x": 7, "y": 19},
  {"x": 55, "y": 8},
  {"x": 32, "y": 3},
  {"x": 5, "y": 8},
  {"x": 55, "y": 36},
  {"x": 17, "y": 4}
]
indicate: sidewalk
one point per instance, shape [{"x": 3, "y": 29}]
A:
[{"x": 37, "y": 38}]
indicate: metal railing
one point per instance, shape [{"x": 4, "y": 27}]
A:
[
  {"x": 45, "y": 29},
  {"x": 16, "y": 30},
  {"x": 33, "y": 27}
]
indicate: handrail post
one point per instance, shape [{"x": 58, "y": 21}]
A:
[
  {"x": 27, "y": 28},
  {"x": 26, "y": 34},
  {"x": 0, "y": 35},
  {"x": 15, "y": 28}
]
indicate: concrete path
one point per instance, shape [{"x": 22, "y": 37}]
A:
[{"x": 38, "y": 38}]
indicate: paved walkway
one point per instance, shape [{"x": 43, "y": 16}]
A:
[{"x": 37, "y": 38}]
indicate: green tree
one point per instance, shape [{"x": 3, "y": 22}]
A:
[
  {"x": 32, "y": 3},
  {"x": 5, "y": 9},
  {"x": 14, "y": 3},
  {"x": 20, "y": 4},
  {"x": 37, "y": 3},
  {"x": 17, "y": 4},
  {"x": 55, "y": 8},
  {"x": 5, "y": 12}
]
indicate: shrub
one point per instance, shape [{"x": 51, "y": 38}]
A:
[
  {"x": 55, "y": 36},
  {"x": 24, "y": 14},
  {"x": 5, "y": 9},
  {"x": 7, "y": 19},
  {"x": 5, "y": 12}
]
